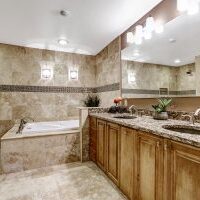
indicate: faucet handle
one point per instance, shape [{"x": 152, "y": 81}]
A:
[{"x": 197, "y": 112}]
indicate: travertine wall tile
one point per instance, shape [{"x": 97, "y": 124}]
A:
[
  {"x": 108, "y": 71},
  {"x": 22, "y": 66}
]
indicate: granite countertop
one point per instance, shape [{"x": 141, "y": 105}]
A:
[{"x": 149, "y": 125}]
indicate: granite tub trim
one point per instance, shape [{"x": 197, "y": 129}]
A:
[
  {"x": 149, "y": 125},
  {"x": 58, "y": 89}
]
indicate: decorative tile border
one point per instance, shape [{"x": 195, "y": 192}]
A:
[
  {"x": 56, "y": 89},
  {"x": 138, "y": 91},
  {"x": 183, "y": 92},
  {"x": 156, "y": 92},
  {"x": 107, "y": 88}
]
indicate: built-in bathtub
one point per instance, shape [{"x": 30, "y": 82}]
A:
[{"x": 40, "y": 144}]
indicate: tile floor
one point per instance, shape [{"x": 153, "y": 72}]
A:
[{"x": 74, "y": 181}]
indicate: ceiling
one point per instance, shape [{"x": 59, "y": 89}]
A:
[
  {"x": 184, "y": 29},
  {"x": 92, "y": 24}
]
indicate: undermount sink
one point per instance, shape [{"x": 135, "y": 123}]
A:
[
  {"x": 124, "y": 116},
  {"x": 183, "y": 129}
]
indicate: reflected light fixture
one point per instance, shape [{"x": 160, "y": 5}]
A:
[
  {"x": 131, "y": 77},
  {"x": 150, "y": 24},
  {"x": 73, "y": 74},
  {"x": 130, "y": 37},
  {"x": 145, "y": 32}
]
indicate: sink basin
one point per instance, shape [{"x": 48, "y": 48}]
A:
[
  {"x": 124, "y": 116},
  {"x": 183, "y": 129}
]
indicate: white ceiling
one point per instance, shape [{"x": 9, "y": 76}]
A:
[
  {"x": 90, "y": 27},
  {"x": 184, "y": 29}
]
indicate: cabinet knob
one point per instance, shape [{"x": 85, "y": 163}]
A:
[{"x": 165, "y": 147}]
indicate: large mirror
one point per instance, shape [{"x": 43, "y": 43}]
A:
[{"x": 168, "y": 64}]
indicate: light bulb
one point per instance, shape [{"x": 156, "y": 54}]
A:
[
  {"x": 139, "y": 31},
  {"x": 130, "y": 37},
  {"x": 159, "y": 28},
  {"x": 193, "y": 7},
  {"x": 147, "y": 34},
  {"x": 150, "y": 24},
  {"x": 138, "y": 40},
  {"x": 182, "y": 5}
]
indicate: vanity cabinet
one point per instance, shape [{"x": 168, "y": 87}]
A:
[
  {"x": 185, "y": 172},
  {"x": 112, "y": 151},
  {"x": 128, "y": 162},
  {"x": 149, "y": 167},
  {"x": 101, "y": 144},
  {"x": 145, "y": 166}
]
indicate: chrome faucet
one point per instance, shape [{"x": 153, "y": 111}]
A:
[
  {"x": 193, "y": 116},
  {"x": 133, "y": 109},
  {"x": 22, "y": 124}
]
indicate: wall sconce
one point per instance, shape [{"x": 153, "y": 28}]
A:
[
  {"x": 73, "y": 74},
  {"x": 46, "y": 73}
]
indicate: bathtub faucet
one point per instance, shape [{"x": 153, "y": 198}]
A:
[{"x": 22, "y": 124}]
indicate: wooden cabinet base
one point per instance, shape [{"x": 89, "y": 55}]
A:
[{"x": 144, "y": 166}]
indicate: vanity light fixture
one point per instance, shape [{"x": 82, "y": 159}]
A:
[
  {"x": 189, "y": 6},
  {"x": 63, "y": 42},
  {"x": 73, "y": 74}
]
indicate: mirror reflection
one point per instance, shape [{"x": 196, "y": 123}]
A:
[{"x": 167, "y": 64}]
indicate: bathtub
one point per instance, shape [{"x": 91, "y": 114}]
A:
[
  {"x": 53, "y": 126},
  {"x": 40, "y": 144},
  {"x": 43, "y": 129}
]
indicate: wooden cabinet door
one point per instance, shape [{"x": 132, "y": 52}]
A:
[
  {"x": 128, "y": 162},
  {"x": 185, "y": 168},
  {"x": 101, "y": 145},
  {"x": 150, "y": 167},
  {"x": 112, "y": 143}
]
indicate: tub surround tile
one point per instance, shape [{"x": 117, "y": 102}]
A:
[
  {"x": 21, "y": 153},
  {"x": 149, "y": 125}
]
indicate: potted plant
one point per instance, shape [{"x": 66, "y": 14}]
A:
[
  {"x": 161, "y": 109},
  {"x": 92, "y": 100}
]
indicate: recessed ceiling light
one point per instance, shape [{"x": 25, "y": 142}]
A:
[
  {"x": 136, "y": 54},
  {"x": 172, "y": 40},
  {"x": 177, "y": 61},
  {"x": 65, "y": 13},
  {"x": 63, "y": 42}
]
